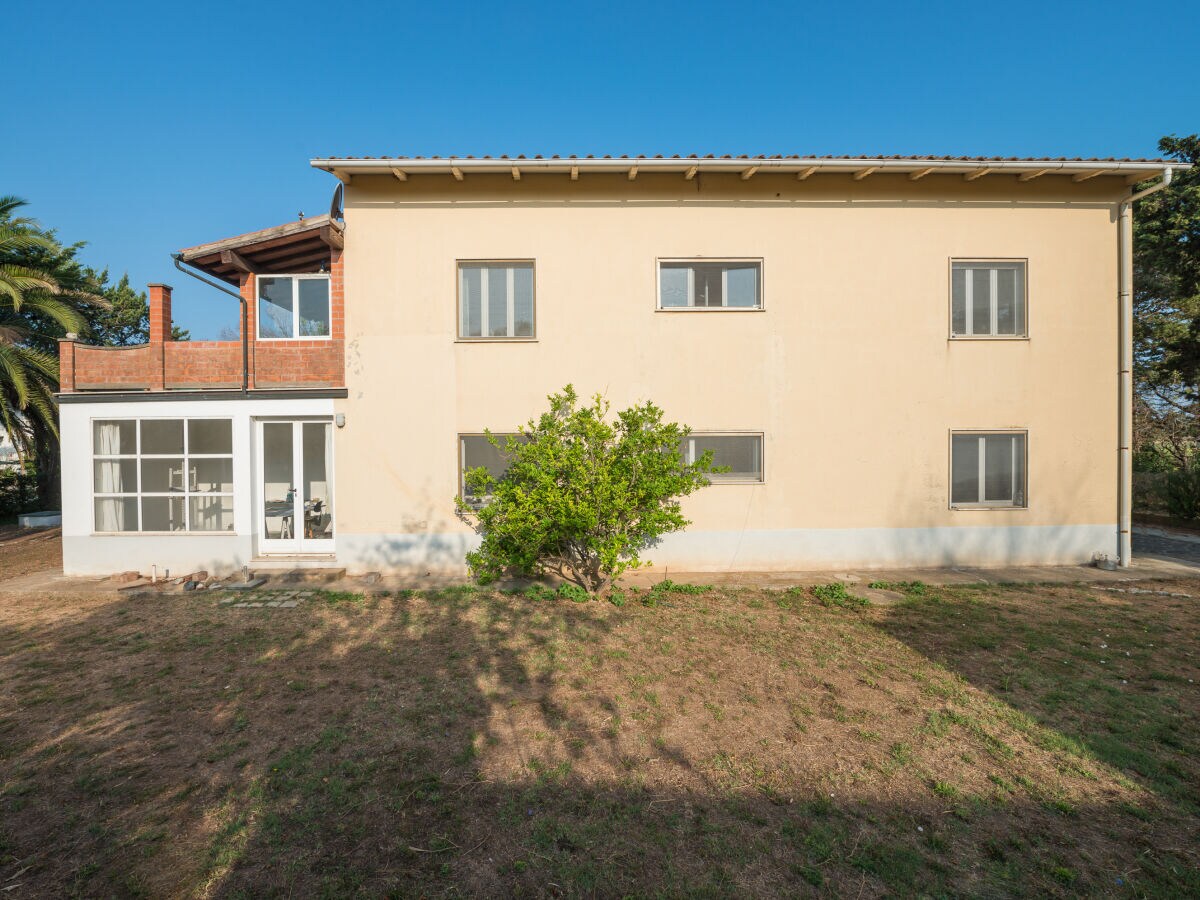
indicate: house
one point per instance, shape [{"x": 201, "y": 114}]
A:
[{"x": 902, "y": 361}]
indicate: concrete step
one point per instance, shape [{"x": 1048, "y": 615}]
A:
[{"x": 298, "y": 575}]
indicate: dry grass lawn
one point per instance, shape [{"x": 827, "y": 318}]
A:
[{"x": 1016, "y": 740}]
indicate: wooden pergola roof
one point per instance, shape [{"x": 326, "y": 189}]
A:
[{"x": 305, "y": 245}]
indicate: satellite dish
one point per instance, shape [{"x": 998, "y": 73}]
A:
[{"x": 335, "y": 205}]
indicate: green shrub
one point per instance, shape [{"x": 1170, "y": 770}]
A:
[
  {"x": 835, "y": 594},
  {"x": 1181, "y": 491},
  {"x": 18, "y": 491},
  {"x": 583, "y": 495},
  {"x": 573, "y": 592}
]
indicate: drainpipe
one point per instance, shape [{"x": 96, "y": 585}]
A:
[
  {"x": 178, "y": 257},
  {"x": 1125, "y": 436}
]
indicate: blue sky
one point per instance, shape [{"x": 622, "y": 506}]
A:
[{"x": 151, "y": 126}]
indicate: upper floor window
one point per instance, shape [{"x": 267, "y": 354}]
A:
[
  {"x": 495, "y": 300},
  {"x": 987, "y": 469},
  {"x": 709, "y": 284},
  {"x": 293, "y": 306},
  {"x": 163, "y": 474},
  {"x": 987, "y": 298},
  {"x": 742, "y": 454}
]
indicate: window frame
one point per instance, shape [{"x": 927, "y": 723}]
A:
[
  {"x": 460, "y": 338},
  {"x": 992, "y": 504},
  {"x": 185, "y": 495},
  {"x": 710, "y": 260},
  {"x": 984, "y": 260},
  {"x": 296, "y": 278},
  {"x": 722, "y": 478}
]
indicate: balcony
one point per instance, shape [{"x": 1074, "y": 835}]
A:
[{"x": 280, "y": 354}]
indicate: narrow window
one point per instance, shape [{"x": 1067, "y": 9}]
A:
[
  {"x": 475, "y": 451},
  {"x": 742, "y": 453},
  {"x": 987, "y": 469},
  {"x": 733, "y": 284},
  {"x": 987, "y": 299},
  {"x": 495, "y": 300},
  {"x": 293, "y": 306},
  {"x": 163, "y": 474}
]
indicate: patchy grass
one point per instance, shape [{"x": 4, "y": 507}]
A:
[{"x": 991, "y": 741}]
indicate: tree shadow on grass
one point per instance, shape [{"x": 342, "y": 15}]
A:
[
  {"x": 1106, "y": 670},
  {"x": 469, "y": 743}
]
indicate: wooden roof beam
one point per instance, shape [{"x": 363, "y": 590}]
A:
[
  {"x": 1036, "y": 173},
  {"x": 806, "y": 173},
  {"x": 297, "y": 262},
  {"x": 332, "y": 237},
  {"x": 747, "y": 174},
  {"x": 864, "y": 173},
  {"x": 400, "y": 174},
  {"x": 977, "y": 174},
  {"x": 691, "y": 173},
  {"x": 919, "y": 174},
  {"x": 632, "y": 172},
  {"x": 574, "y": 173},
  {"x": 1084, "y": 176},
  {"x": 516, "y": 173},
  {"x": 239, "y": 262},
  {"x": 457, "y": 173}
]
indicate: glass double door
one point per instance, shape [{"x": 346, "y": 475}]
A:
[{"x": 295, "y": 497}]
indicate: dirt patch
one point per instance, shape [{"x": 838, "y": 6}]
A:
[
  {"x": 967, "y": 740},
  {"x": 24, "y": 551}
]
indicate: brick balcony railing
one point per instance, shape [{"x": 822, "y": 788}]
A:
[{"x": 166, "y": 365}]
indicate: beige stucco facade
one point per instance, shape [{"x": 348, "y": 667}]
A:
[{"x": 848, "y": 370}]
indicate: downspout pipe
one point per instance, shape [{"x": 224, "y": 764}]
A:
[
  {"x": 178, "y": 258},
  {"x": 1125, "y": 372}
]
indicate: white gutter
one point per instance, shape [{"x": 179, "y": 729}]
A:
[{"x": 1125, "y": 371}]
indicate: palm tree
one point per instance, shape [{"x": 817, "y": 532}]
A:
[{"x": 33, "y": 303}]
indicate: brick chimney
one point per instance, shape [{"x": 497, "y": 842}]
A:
[{"x": 160, "y": 313}]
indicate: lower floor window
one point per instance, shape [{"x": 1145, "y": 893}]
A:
[
  {"x": 741, "y": 454},
  {"x": 163, "y": 474},
  {"x": 476, "y": 451},
  {"x": 987, "y": 469}
]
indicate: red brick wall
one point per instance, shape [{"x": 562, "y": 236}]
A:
[{"x": 180, "y": 365}]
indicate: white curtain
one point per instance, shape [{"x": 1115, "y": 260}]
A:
[
  {"x": 327, "y": 531},
  {"x": 110, "y": 513}
]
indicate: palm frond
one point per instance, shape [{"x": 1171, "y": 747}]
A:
[{"x": 13, "y": 375}]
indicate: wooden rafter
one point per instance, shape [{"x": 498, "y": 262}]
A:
[
  {"x": 239, "y": 262},
  {"x": 919, "y": 174}
]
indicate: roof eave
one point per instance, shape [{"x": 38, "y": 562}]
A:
[{"x": 343, "y": 167}]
